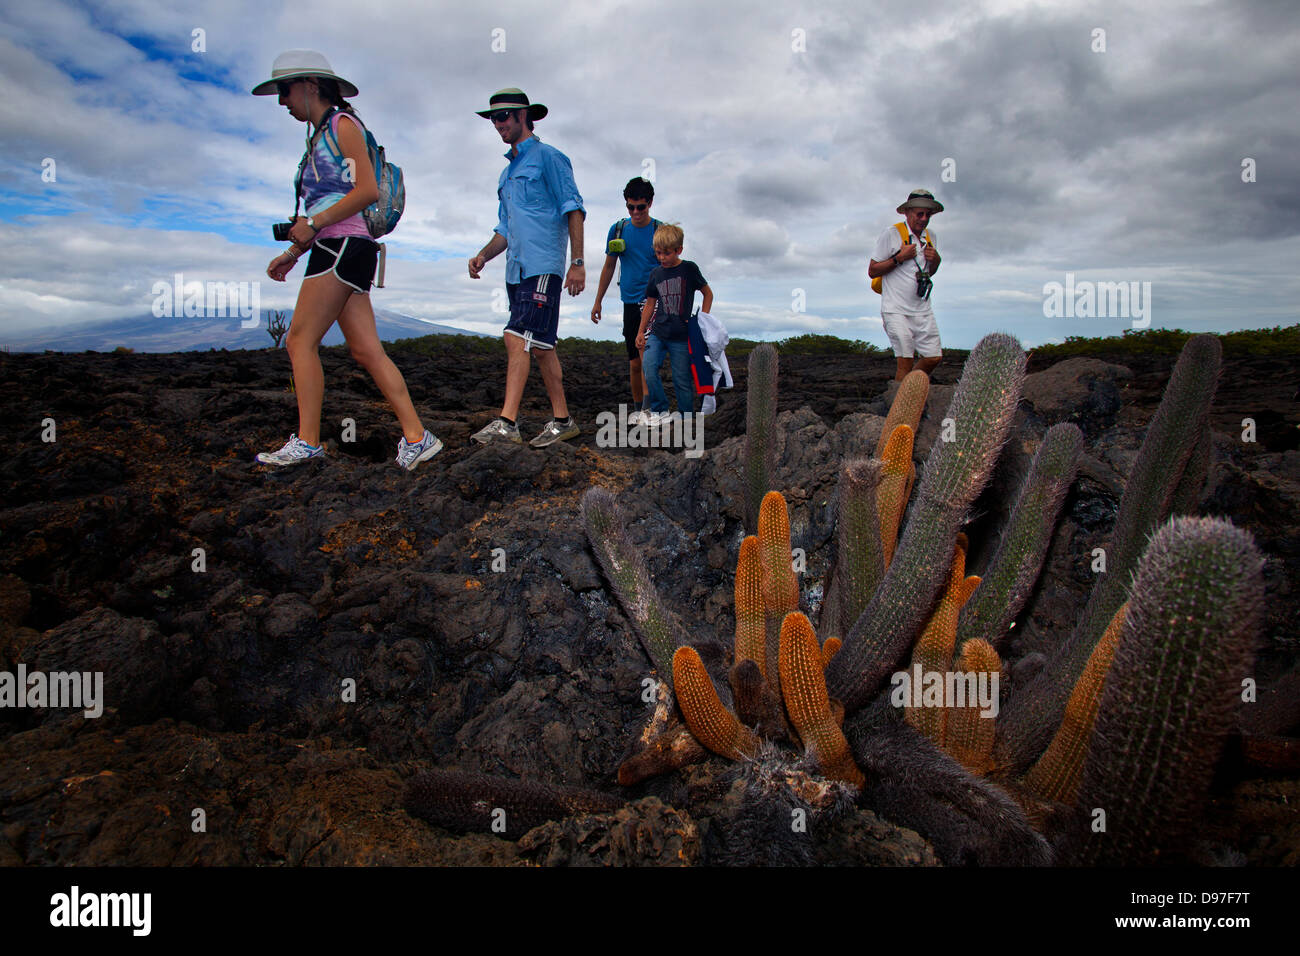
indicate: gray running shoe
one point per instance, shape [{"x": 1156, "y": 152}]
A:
[
  {"x": 408, "y": 455},
  {"x": 555, "y": 431},
  {"x": 294, "y": 452},
  {"x": 498, "y": 428}
]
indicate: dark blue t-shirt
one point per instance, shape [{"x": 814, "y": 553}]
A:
[{"x": 675, "y": 290}]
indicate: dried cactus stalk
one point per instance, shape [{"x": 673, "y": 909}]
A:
[
  {"x": 1019, "y": 559},
  {"x": 751, "y": 633},
  {"x": 859, "y": 560},
  {"x": 1033, "y": 714},
  {"x": 711, "y": 723},
  {"x": 780, "y": 589},
  {"x": 895, "y": 483},
  {"x": 760, "y": 430},
  {"x": 934, "y": 648},
  {"x": 909, "y": 403},
  {"x": 675, "y": 747},
  {"x": 807, "y": 703},
  {"x": 1058, "y": 771},
  {"x": 756, "y": 704},
  {"x": 626, "y": 571},
  {"x": 982, "y": 409},
  {"x": 467, "y": 801},
  {"x": 1171, "y": 695},
  {"x": 968, "y": 731}
]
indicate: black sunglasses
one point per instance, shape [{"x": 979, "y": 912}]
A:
[
  {"x": 500, "y": 116},
  {"x": 637, "y": 206},
  {"x": 284, "y": 86}
]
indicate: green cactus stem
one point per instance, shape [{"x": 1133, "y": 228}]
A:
[
  {"x": 981, "y": 413},
  {"x": 625, "y": 569},
  {"x": 1032, "y": 715},
  {"x": 1171, "y": 693},
  {"x": 760, "y": 431},
  {"x": 1019, "y": 559},
  {"x": 859, "y": 560}
]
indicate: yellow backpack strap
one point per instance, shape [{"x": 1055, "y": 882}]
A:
[
  {"x": 929, "y": 238},
  {"x": 902, "y": 231}
]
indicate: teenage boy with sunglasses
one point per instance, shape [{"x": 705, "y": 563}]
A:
[{"x": 631, "y": 242}]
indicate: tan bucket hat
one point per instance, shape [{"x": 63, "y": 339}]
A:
[
  {"x": 296, "y": 64},
  {"x": 921, "y": 199}
]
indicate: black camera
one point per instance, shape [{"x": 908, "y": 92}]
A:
[
  {"x": 280, "y": 230},
  {"x": 923, "y": 284}
]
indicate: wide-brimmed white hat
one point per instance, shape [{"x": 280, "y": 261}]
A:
[{"x": 295, "y": 64}]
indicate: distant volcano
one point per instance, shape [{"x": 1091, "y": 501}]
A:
[{"x": 193, "y": 334}]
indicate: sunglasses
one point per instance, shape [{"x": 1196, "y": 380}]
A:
[
  {"x": 500, "y": 116},
  {"x": 284, "y": 86},
  {"x": 638, "y": 206}
]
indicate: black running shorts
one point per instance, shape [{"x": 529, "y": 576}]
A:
[{"x": 352, "y": 260}]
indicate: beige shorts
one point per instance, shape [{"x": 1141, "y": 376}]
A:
[{"x": 912, "y": 334}]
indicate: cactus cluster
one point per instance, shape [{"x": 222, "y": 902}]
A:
[{"x": 1135, "y": 704}]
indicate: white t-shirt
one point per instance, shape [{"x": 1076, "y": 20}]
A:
[{"x": 898, "y": 285}]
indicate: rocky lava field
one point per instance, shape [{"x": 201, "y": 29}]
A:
[{"x": 283, "y": 650}]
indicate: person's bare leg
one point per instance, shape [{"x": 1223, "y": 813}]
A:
[
  {"x": 320, "y": 300},
  {"x": 638, "y": 381},
  {"x": 928, "y": 365},
  {"x": 904, "y": 366},
  {"x": 518, "y": 365},
  {"x": 358, "y": 325},
  {"x": 553, "y": 376}
]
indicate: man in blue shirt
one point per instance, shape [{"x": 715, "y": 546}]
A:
[
  {"x": 538, "y": 209},
  {"x": 631, "y": 243}
]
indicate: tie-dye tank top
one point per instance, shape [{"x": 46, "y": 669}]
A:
[{"x": 324, "y": 183}]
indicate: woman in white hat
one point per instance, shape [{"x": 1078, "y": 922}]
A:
[{"x": 336, "y": 183}]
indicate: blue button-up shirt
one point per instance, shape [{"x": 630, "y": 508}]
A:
[{"x": 536, "y": 193}]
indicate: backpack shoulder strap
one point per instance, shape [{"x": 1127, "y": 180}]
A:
[
  {"x": 929, "y": 238},
  {"x": 902, "y": 231},
  {"x": 328, "y": 122},
  {"x": 618, "y": 230}
]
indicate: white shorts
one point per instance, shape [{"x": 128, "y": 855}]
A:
[{"x": 912, "y": 334}]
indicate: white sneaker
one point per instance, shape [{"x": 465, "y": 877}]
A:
[
  {"x": 294, "y": 452},
  {"x": 636, "y": 419},
  {"x": 709, "y": 405}
]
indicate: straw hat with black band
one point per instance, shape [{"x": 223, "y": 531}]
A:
[{"x": 512, "y": 98}]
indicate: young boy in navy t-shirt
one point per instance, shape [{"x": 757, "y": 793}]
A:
[{"x": 672, "y": 288}]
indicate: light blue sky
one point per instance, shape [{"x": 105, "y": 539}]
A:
[{"x": 781, "y": 141}]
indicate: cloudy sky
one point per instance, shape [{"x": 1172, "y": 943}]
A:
[{"x": 1153, "y": 143}]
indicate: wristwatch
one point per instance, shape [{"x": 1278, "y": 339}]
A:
[
  {"x": 578, "y": 262},
  {"x": 314, "y": 227}
]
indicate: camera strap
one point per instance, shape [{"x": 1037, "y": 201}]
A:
[{"x": 306, "y": 156}]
